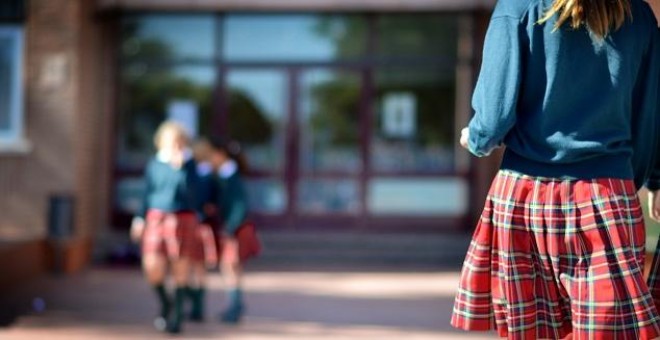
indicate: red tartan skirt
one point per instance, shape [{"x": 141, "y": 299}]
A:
[
  {"x": 169, "y": 234},
  {"x": 204, "y": 249},
  {"x": 241, "y": 248},
  {"x": 551, "y": 257}
]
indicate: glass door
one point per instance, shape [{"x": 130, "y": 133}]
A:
[
  {"x": 257, "y": 106},
  {"x": 330, "y": 160},
  {"x": 300, "y": 128}
]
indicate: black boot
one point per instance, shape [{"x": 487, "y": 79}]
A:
[
  {"x": 197, "y": 298},
  {"x": 176, "y": 319},
  {"x": 234, "y": 312},
  {"x": 160, "y": 322}
]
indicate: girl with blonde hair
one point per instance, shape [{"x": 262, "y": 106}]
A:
[{"x": 168, "y": 220}]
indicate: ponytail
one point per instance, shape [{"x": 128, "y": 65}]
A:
[{"x": 601, "y": 17}]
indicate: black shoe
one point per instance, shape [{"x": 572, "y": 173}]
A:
[
  {"x": 174, "y": 327},
  {"x": 195, "y": 317}
]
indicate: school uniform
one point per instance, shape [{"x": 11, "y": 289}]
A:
[
  {"x": 559, "y": 248},
  {"x": 232, "y": 198},
  {"x": 171, "y": 216},
  {"x": 171, "y": 208},
  {"x": 233, "y": 204},
  {"x": 204, "y": 244}
]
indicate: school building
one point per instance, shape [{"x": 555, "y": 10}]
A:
[{"x": 349, "y": 112}]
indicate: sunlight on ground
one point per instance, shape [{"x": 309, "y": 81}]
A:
[
  {"x": 117, "y": 304},
  {"x": 253, "y": 329},
  {"x": 372, "y": 286}
]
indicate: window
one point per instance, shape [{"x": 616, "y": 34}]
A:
[
  {"x": 11, "y": 87},
  {"x": 413, "y": 126},
  {"x": 346, "y": 115},
  {"x": 168, "y": 38},
  {"x": 294, "y": 37}
]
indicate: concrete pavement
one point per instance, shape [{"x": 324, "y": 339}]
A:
[{"x": 117, "y": 304}]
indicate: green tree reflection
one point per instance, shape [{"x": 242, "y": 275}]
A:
[{"x": 151, "y": 78}]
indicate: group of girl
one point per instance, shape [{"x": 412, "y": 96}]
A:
[
  {"x": 194, "y": 207},
  {"x": 571, "y": 88}
]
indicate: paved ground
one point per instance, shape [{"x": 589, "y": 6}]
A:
[{"x": 116, "y": 304}]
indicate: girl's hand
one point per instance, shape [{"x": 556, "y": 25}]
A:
[
  {"x": 137, "y": 229},
  {"x": 465, "y": 136},
  {"x": 654, "y": 205}
]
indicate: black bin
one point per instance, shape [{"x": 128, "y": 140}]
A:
[
  {"x": 60, "y": 217},
  {"x": 60, "y": 228}
]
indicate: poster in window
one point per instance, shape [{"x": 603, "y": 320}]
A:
[
  {"x": 186, "y": 113},
  {"x": 399, "y": 115}
]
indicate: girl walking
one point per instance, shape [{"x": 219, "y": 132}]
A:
[
  {"x": 168, "y": 221},
  {"x": 228, "y": 161},
  {"x": 570, "y": 88},
  {"x": 204, "y": 252}
]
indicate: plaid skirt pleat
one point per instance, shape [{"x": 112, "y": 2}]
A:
[
  {"x": 204, "y": 248},
  {"x": 553, "y": 257},
  {"x": 169, "y": 234}
]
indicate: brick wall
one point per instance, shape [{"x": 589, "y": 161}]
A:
[
  {"x": 66, "y": 122},
  {"x": 50, "y": 95},
  {"x": 94, "y": 123}
]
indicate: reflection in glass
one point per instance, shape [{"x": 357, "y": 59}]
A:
[
  {"x": 329, "y": 114},
  {"x": 266, "y": 195},
  {"x": 414, "y": 121},
  {"x": 146, "y": 94},
  {"x": 417, "y": 196},
  {"x": 417, "y": 35},
  {"x": 318, "y": 196},
  {"x": 128, "y": 194},
  {"x": 155, "y": 37},
  {"x": 257, "y": 116},
  {"x": 7, "y": 47},
  {"x": 294, "y": 37}
]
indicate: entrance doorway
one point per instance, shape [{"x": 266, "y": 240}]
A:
[{"x": 346, "y": 120}]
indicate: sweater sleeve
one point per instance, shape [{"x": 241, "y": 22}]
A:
[
  {"x": 654, "y": 177},
  {"x": 236, "y": 205},
  {"x": 646, "y": 120},
  {"x": 496, "y": 95},
  {"x": 193, "y": 187},
  {"x": 654, "y": 181}
]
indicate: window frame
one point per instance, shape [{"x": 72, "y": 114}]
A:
[{"x": 13, "y": 139}]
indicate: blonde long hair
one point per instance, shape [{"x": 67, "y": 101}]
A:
[
  {"x": 170, "y": 126},
  {"x": 600, "y": 16}
]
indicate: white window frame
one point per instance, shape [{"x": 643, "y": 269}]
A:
[{"x": 13, "y": 139}]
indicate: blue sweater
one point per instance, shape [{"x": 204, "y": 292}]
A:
[
  {"x": 566, "y": 104},
  {"x": 171, "y": 190},
  {"x": 207, "y": 189},
  {"x": 232, "y": 202}
]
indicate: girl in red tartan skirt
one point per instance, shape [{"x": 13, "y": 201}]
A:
[
  {"x": 204, "y": 253},
  {"x": 229, "y": 163},
  {"x": 570, "y": 87},
  {"x": 166, "y": 227}
]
